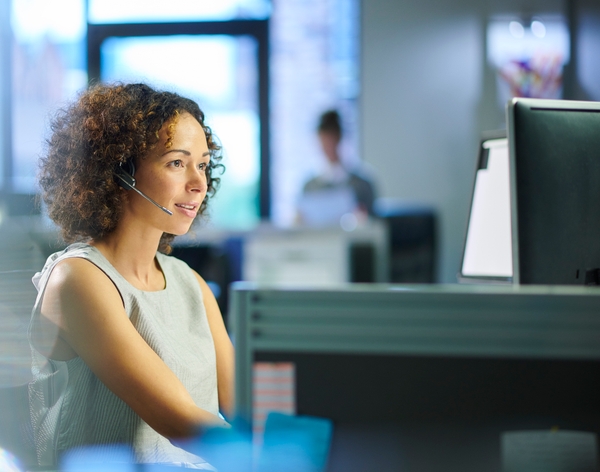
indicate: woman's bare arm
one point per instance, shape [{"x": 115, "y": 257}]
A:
[
  {"x": 223, "y": 348},
  {"x": 87, "y": 309}
]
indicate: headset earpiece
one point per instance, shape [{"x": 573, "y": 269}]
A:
[{"x": 125, "y": 174}]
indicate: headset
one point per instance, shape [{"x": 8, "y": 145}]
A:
[{"x": 124, "y": 174}]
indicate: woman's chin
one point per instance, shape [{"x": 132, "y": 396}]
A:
[
  {"x": 181, "y": 232},
  {"x": 182, "y": 228}
]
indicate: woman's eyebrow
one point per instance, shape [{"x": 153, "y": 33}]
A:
[{"x": 187, "y": 153}]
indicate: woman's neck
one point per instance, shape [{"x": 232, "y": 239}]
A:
[{"x": 133, "y": 254}]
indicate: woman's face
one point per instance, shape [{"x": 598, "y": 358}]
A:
[
  {"x": 329, "y": 143},
  {"x": 173, "y": 176}
]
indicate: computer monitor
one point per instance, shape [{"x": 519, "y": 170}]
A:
[
  {"x": 426, "y": 377},
  {"x": 555, "y": 191},
  {"x": 487, "y": 250}
]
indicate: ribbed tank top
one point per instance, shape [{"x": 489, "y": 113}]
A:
[{"x": 71, "y": 407}]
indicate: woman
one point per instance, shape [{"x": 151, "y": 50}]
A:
[{"x": 128, "y": 343}]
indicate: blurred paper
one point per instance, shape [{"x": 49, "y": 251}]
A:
[{"x": 273, "y": 390}]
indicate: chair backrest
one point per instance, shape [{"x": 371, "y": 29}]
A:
[
  {"x": 17, "y": 297},
  {"x": 16, "y": 432},
  {"x": 18, "y": 249}
]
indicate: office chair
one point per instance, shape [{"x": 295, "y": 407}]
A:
[{"x": 17, "y": 297}]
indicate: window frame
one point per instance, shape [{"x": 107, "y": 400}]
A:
[{"x": 5, "y": 99}]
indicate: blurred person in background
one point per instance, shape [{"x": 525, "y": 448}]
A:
[{"x": 336, "y": 190}]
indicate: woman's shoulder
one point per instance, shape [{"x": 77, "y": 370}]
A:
[
  {"x": 64, "y": 257},
  {"x": 79, "y": 270},
  {"x": 72, "y": 250},
  {"x": 79, "y": 273}
]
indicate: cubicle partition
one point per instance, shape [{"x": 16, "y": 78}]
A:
[{"x": 423, "y": 377}]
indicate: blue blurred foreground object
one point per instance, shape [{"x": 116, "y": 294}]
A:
[
  {"x": 227, "y": 450},
  {"x": 8, "y": 462},
  {"x": 295, "y": 444},
  {"x": 113, "y": 458},
  {"x": 291, "y": 444}
]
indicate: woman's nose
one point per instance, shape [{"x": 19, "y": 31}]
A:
[{"x": 197, "y": 180}]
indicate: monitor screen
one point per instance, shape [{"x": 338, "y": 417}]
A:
[
  {"x": 487, "y": 252},
  {"x": 555, "y": 172}
]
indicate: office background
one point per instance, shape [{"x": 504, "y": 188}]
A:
[
  {"x": 428, "y": 92},
  {"x": 422, "y": 93}
]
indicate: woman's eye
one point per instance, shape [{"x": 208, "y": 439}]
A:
[{"x": 176, "y": 163}]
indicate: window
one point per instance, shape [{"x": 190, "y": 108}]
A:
[
  {"x": 274, "y": 67},
  {"x": 314, "y": 67},
  {"x": 48, "y": 65}
]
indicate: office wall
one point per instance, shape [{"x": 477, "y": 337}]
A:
[
  {"x": 587, "y": 78},
  {"x": 427, "y": 94}
]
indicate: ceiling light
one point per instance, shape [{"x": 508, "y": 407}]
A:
[
  {"x": 538, "y": 28},
  {"x": 516, "y": 29}
]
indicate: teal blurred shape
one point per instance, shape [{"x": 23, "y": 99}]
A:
[
  {"x": 295, "y": 443},
  {"x": 226, "y": 449}
]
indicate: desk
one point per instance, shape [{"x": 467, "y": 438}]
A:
[{"x": 426, "y": 376}]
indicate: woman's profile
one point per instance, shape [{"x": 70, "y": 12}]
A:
[{"x": 129, "y": 345}]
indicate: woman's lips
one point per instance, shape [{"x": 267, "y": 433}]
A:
[{"x": 189, "y": 209}]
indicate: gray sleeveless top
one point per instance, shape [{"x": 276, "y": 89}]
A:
[{"x": 71, "y": 407}]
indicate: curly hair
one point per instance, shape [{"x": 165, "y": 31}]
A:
[{"x": 105, "y": 126}]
